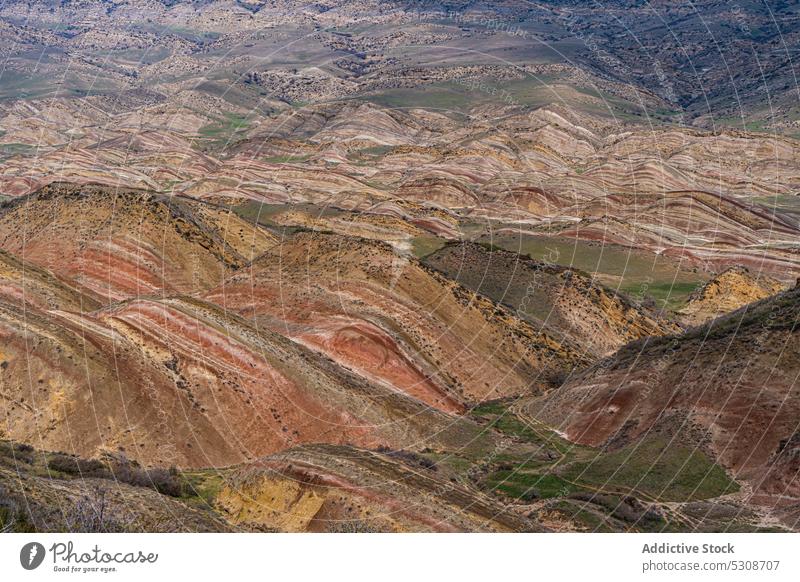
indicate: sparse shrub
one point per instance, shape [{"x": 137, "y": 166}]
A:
[
  {"x": 625, "y": 512},
  {"x": 77, "y": 466},
  {"x": 20, "y": 452},
  {"x": 653, "y": 513},
  {"x": 9, "y": 510},
  {"x": 628, "y": 509},
  {"x": 559, "y": 377},
  {"x": 649, "y": 303},
  {"x": 352, "y": 526},
  {"x": 409, "y": 457},
  {"x": 165, "y": 481},
  {"x": 93, "y": 514},
  {"x": 119, "y": 468},
  {"x": 14, "y": 515}
]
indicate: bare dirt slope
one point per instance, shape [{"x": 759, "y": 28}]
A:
[
  {"x": 394, "y": 320},
  {"x": 178, "y": 381},
  {"x": 122, "y": 243},
  {"x": 728, "y": 291}
]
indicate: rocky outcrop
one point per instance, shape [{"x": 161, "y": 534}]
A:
[{"x": 728, "y": 291}]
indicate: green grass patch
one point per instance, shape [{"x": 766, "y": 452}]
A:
[
  {"x": 487, "y": 408},
  {"x": 265, "y": 214},
  {"x": 258, "y": 212},
  {"x": 523, "y": 486},
  {"x": 225, "y": 131},
  {"x": 787, "y": 203},
  {"x": 231, "y": 122},
  {"x": 653, "y": 468},
  {"x": 287, "y": 159},
  {"x": 667, "y": 472},
  {"x": 505, "y": 422},
  {"x": 376, "y": 150},
  {"x": 436, "y": 96},
  {"x": 422, "y": 246},
  {"x": 634, "y": 272},
  {"x": 13, "y": 149},
  {"x": 511, "y": 425},
  {"x": 204, "y": 486},
  {"x": 666, "y": 294}
]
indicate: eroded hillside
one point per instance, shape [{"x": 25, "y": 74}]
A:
[{"x": 398, "y": 266}]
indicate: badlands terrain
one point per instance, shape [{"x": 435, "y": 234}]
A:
[{"x": 399, "y": 266}]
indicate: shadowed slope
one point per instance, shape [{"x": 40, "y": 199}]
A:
[
  {"x": 565, "y": 303},
  {"x": 22, "y": 283}
]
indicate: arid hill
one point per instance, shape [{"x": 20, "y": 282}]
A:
[
  {"x": 564, "y": 302},
  {"x": 728, "y": 291},
  {"x": 711, "y": 200},
  {"x": 179, "y": 381},
  {"x": 394, "y": 321},
  {"x": 727, "y": 387},
  {"x": 122, "y": 243},
  {"x": 317, "y": 488}
]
